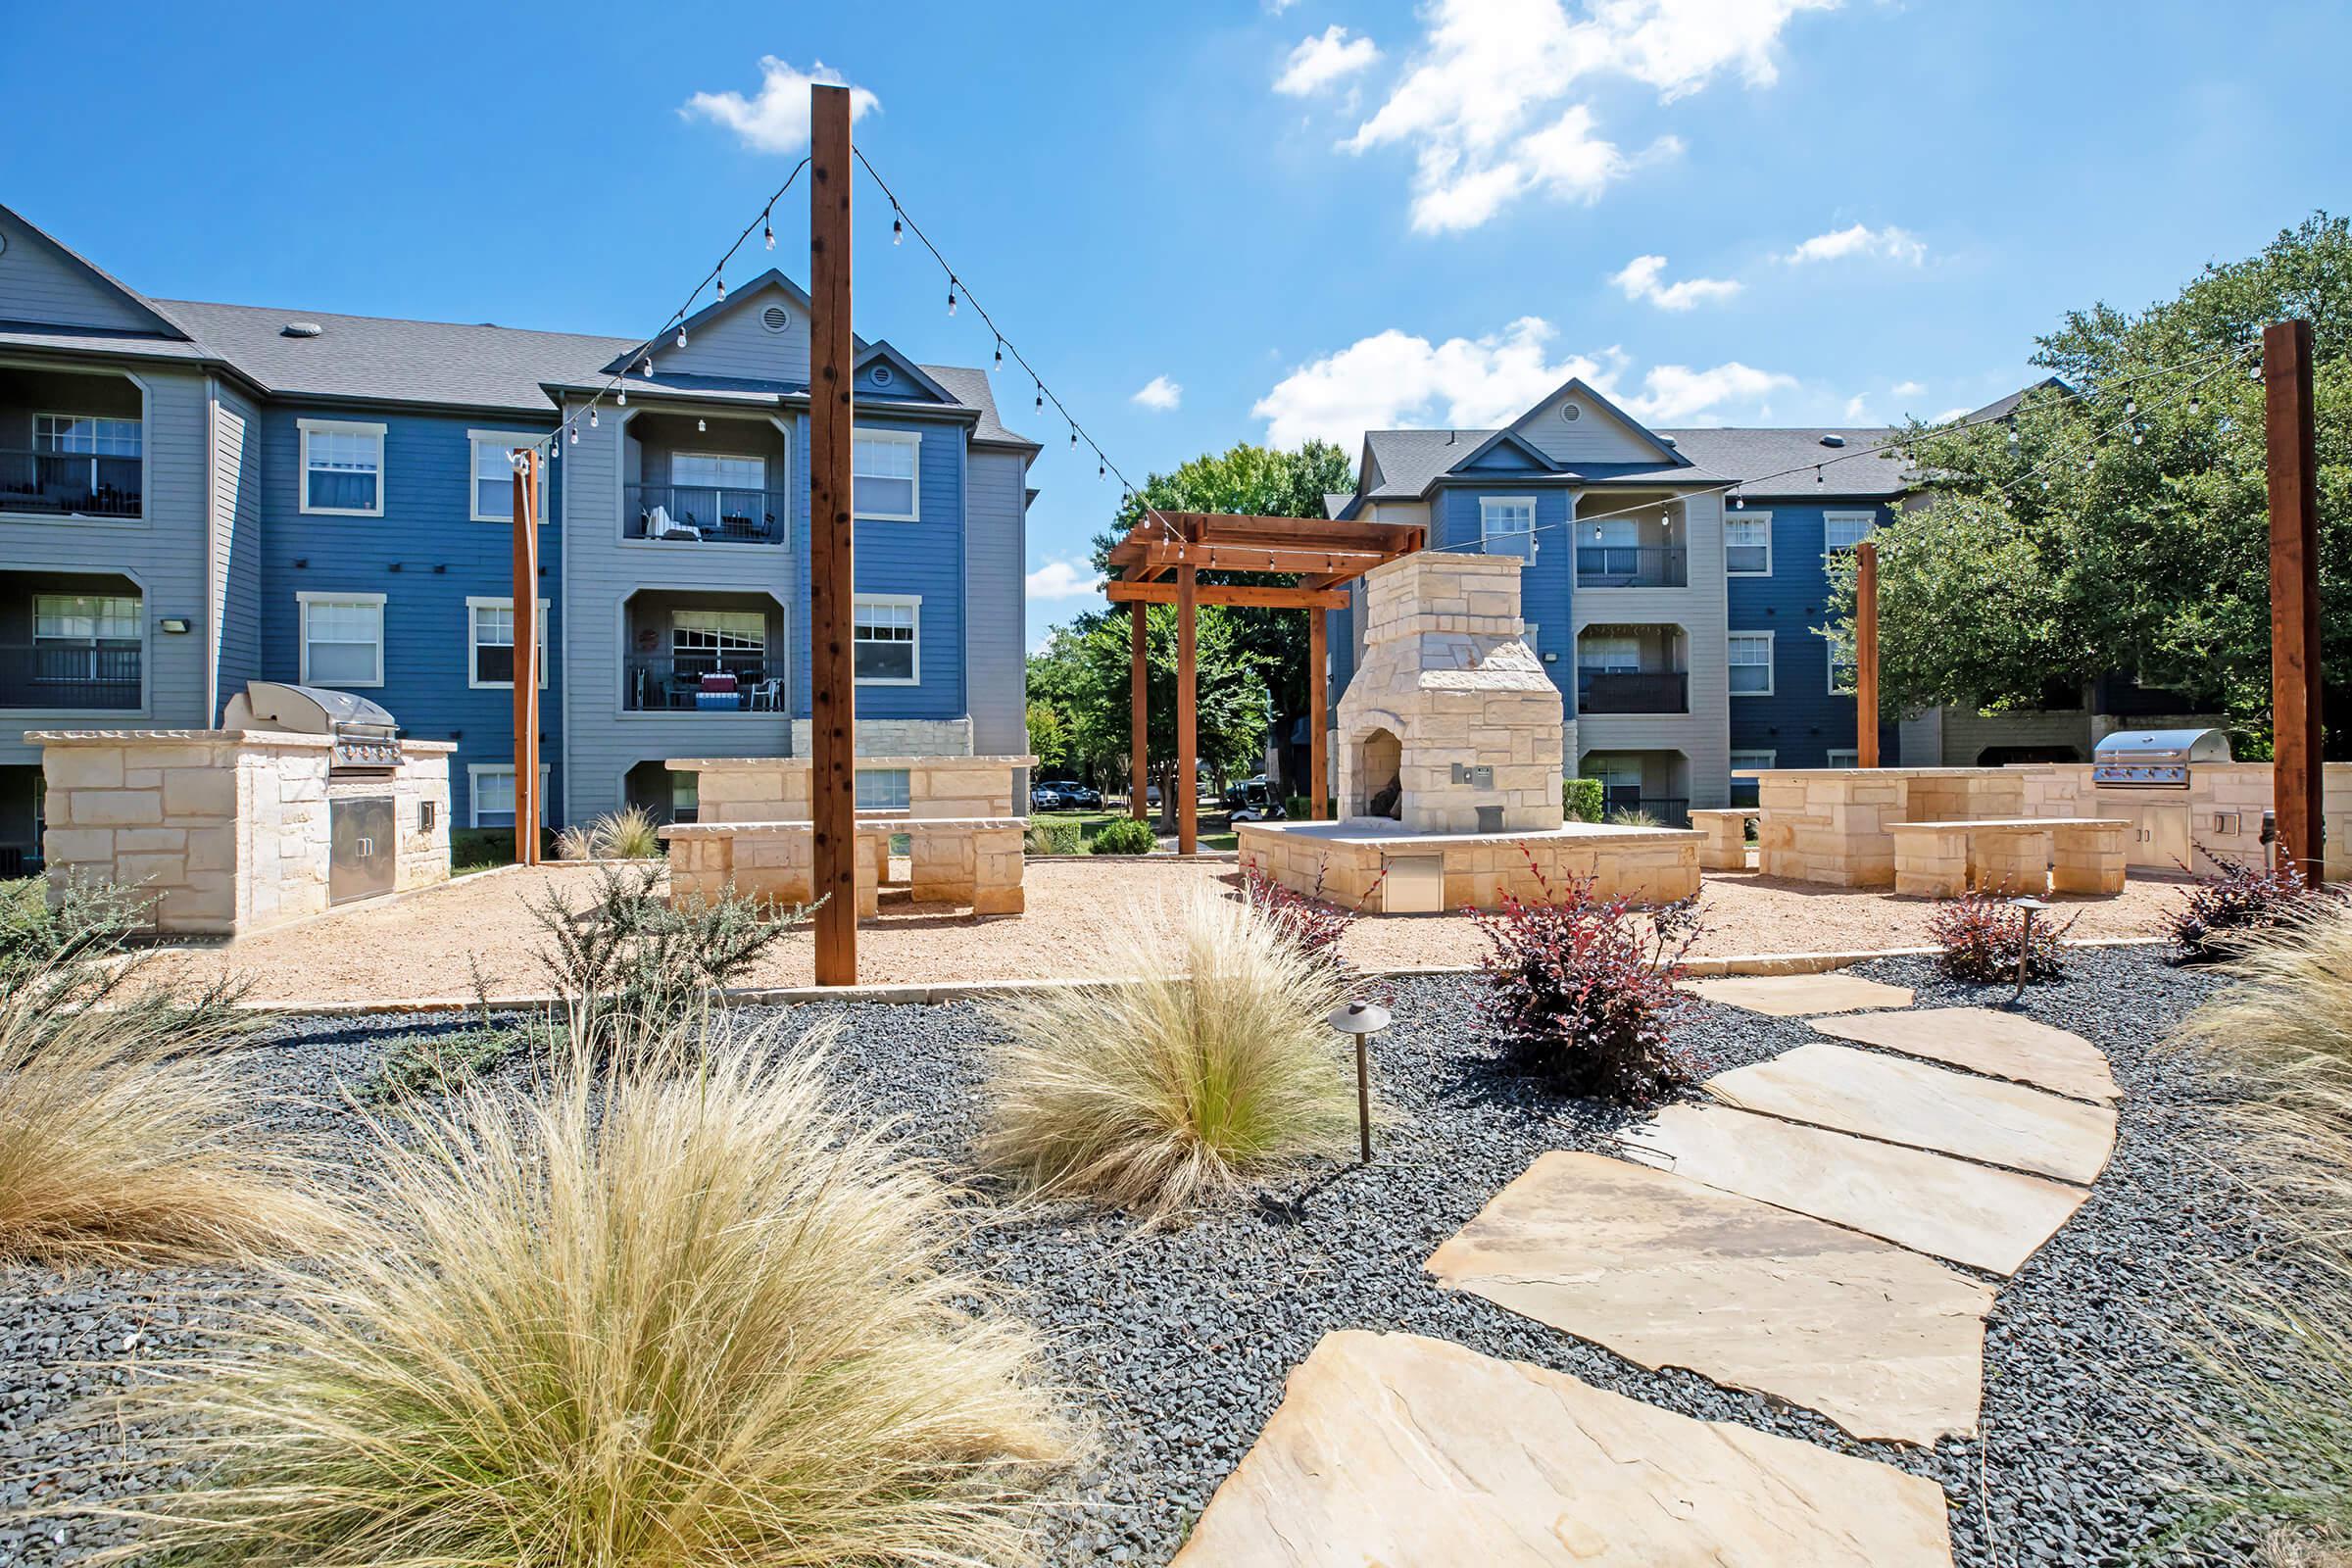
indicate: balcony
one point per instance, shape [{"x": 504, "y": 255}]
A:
[
  {"x": 695, "y": 513},
  {"x": 1603, "y": 691},
  {"x": 1631, "y": 567},
  {"x": 1668, "y": 810},
  {"x": 720, "y": 682},
  {"x": 49, "y": 674}
]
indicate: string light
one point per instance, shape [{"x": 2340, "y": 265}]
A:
[
  {"x": 768, "y": 228},
  {"x": 723, "y": 298},
  {"x": 681, "y": 334},
  {"x": 999, "y": 362},
  {"x": 951, "y": 295},
  {"x": 898, "y": 228},
  {"x": 592, "y": 419},
  {"x": 701, "y": 427}
]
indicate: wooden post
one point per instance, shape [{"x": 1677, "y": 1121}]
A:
[
  {"x": 1318, "y": 719},
  {"x": 2296, "y": 787},
  {"x": 832, "y": 578},
  {"x": 1138, "y": 711},
  {"x": 1866, "y": 653},
  {"x": 527, "y": 811},
  {"x": 1188, "y": 782}
]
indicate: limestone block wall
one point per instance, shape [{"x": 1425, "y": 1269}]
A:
[
  {"x": 776, "y": 789},
  {"x": 2221, "y": 809},
  {"x": 1649, "y": 866},
  {"x": 226, "y": 832},
  {"x": 1829, "y": 825}
]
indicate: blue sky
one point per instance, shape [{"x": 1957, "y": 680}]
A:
[{"x": 1309, "y": 217}]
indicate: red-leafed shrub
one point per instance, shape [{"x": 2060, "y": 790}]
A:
[
  {"x": 1584, "y": 987},
  {"x": 1307, "y": 921},
  {"x": 2241, "y": 899},
  {"x": 1981, "y": 934}
]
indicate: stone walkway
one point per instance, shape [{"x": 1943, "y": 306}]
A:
[{"x": 1784, "y": 1238}]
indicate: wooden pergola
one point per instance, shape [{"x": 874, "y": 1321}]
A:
[{"x": 1159, "y": 562}]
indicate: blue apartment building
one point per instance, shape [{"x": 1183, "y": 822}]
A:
[{"x": 196, "y": 495}]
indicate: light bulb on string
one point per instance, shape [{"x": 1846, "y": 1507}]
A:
[
  {"x": 898, "y": 230},
  {"x": 768, "y": 228},
  {"x": 2130, "y": 407},
  {"x": 1101, "y": 469},
  {"x": 701, "y": 427},
  {"x": 649, "y": 358},
  {"x": 950, "y": 296},
  {"x": 681, "y": 334},
  {"x": 1738, "y": 503},
  {"x": 1817, "y": 476},
  {"x": 1073, "y": 436},
  {"x": 2192, "y": 408},
  {"x": 576, "y": 435},
  {"x": 722, "y": 291},
  {"x": 591, "y": 416},
  {"x": 1000, "y": 361},
  {"x": 1041, "y": 397}
]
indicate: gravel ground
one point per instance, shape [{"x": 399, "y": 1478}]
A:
[
  {"x": 1080, "y": 914},
  {"x": 1178, "y": 1343}
]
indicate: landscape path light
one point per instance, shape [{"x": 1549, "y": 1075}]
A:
[
  {"x": 1362, "y": 1019},
  {"x": 2024, "y": 942}
]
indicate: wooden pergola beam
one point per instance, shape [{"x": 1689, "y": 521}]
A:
[
  {"x": 1261, "y": 557},
  {"x": 1253, "y": 595},
  {"x": 1187, "y": 773}
]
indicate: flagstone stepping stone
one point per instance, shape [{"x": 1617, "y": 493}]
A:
[
  {"x": 1927, "y": 1107},
  {"x": 1989, "y": 1219},
  {"x": 1409, "y": 1452},
  {"x": 1999, "y": 1045},
  {"x": 1798, "y": 996},
  {"x": 1666, "y": 1271}
]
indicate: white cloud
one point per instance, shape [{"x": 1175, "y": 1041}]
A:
[
  {"x": 776, "y": 119},
  {"x": 1395, "y": 379},
  {"x": 1640, "y": 281},
  {"x": 1908, "y": 389},
  {"x": 1063, "y": 579},
  {"x": 1949, "y": 414},
  {"x": 1158, "y": 394},
  {"x": 1488, "y": 69},
  {"x": 1323, "y": 58},
  {"x": 1857, "y": 410},
  {"x": 1891, "y": 243}
]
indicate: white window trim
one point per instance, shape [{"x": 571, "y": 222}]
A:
[
  {"x": 1769, "y": 755},
  {"x": 914, "y": 601},
  {"x": 1847, "y": 514},
  {"x": 909, "y": 438},
  {"x": 1485, "y": 533},
  {"x": 473, "y": 794},
  {"x": 506, "y": 441},
  {"x": 1764, "y": 517},
  {"x": 473, "y": 664},
  {"x": 38, "y": 415},
  {"x": 1772, "y": 660},
  {"x": 305, "y": 598},
  {"x": 1852, "y": 755},
  {"x": 301, "y": 469}
]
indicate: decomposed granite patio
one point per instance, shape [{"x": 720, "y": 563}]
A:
[
  {"x": 1988, "y": 1219},
  {"x": 1666, "y": 1271},
  {"x": 1393, "y": 1449},
  {"x": 1927, "y": 1107},
  {"x": 1798, "y": 996},
  {"x": 1999, "y": 1045}
]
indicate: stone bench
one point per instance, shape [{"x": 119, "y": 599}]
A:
[
  {"x": 2016, "y": 855},
  {"x": 1723, "y": 846},
  {"x": 973, "y": 861}
]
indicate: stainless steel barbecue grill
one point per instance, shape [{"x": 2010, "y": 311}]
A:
[
  {"x": 366, "y": 740},
  {"x": 2155, "y": 758}
]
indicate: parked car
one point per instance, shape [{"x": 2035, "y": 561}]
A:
[
  {"x": 1073, "y": 794},
  {"x": 1045, "y": 798}
]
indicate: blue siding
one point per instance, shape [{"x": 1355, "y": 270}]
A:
[
  {"x": 426, "y": 557},
  {"x": 1801, "y": 723},
  {"x": 1547, "y": 586},
  {"x": 924, "y": 558}
]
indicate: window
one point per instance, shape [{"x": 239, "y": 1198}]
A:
[
  {"x": 718, "y": 470},
  {"x": 1744, "y": 789},
  {"x": 1611, "y": 654},
  {"x": 1506, "y": 525},
  {"x": 81, "y": 638},
  {"x": 342, "y": 639},
  {"x": 685, "y": 797},
  {"x": 883, "y": 789},
  {"x": 1846, "y": 758},
  {"x": 88, "y": 434},
  {"x": 490, "y": 793},
  {"x": 1749, "y": 761},
  {"x": 1751, "y": 657},
  {"x": 343, "y": 468},
  {"x": 883, "y": 477},
  {"x": 1748, "y": 544},
  {"x": 494, "y": 475},
  {"x": 883, "y": 641},
  {"x": 1842, "y": 530},
  {"x": 1844, "y": 671},
  {"x": 490, "y": 642},
  {"x": 708, "y": 633}
]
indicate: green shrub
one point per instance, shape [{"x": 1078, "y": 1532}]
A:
[
  {"x": 1586, "y": 800},
  {"x": 628, "y": 965},
  {"x": 1630, "y": 817},
  {"x": 1163, "y": 1093},
  {"x": 438, "y": 1061},
  {"x": 1056, "y": 838},
  {"x": 1123, "y": 835}
]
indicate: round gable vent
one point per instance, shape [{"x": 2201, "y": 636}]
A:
[
  {"x": 774, "y": 319},
  {"x": 881, "y": 375},
  {"x": 1571, "y": 413},
  {"x": 301, "y": 329}
]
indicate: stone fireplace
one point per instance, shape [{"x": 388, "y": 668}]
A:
[{"x": 1451, "y": 724}]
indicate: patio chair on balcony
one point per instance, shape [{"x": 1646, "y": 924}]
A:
[
  {"x": 659, "y": 525},
  {"x": 768, "y": 696}
]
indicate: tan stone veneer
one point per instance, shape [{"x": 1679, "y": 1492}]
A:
[
  {"x": 225, "y": 831},
  {"x": 775, "y": 789},
  {"x": 968, "y": 861}
]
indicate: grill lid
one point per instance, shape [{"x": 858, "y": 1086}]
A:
[
  {"x": 2176, "y": 746},
  {"x": 304, "y": 710}
]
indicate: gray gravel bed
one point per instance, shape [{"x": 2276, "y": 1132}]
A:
[{"x": 1178, "y": 1342}]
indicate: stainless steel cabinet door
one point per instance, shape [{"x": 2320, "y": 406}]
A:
[{"x": 365, "y": 847}]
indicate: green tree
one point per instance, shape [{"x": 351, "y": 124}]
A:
[
  {"x": 1050, "y": 737},
  {"x": 2121, "y": 522}
]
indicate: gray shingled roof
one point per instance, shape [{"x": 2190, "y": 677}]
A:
[
  {"x": 971, "y": 388},
  {"x": 1781, "y": 463},
  {"x": 2000, "y": 407},
  {"x": 1409, "y": 460},
  {"x": 72, "y": 340}
]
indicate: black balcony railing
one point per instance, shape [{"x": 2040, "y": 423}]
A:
[
  {"x": 1600, "y": 691},
  {"x": 705, "y": 683},
  {"x": 48, "y": 675},
  {"x": 69, "y": 483},
  {"x": 1671, "y": 810},
  {"x": 1631, "y": 567},
  {"x": 705, "y": 513}
]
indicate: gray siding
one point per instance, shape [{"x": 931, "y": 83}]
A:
[
  {"x": 1595, "y": 437},
  {"x": 736, "y": 344},
  {"x": 40, "y": 282},
  {"x": 166, "y": 552},
  {"x": 995, "y": 662},
  {"x": 236, "y": 545}
]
